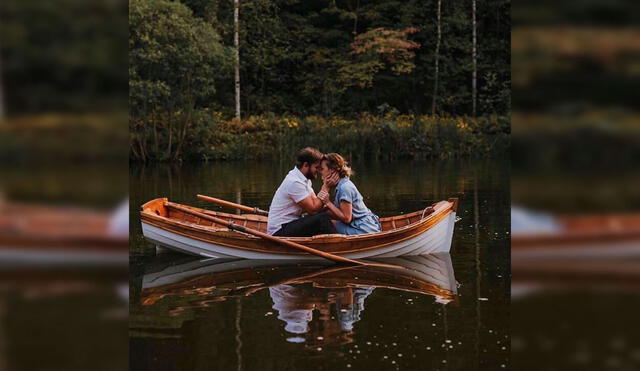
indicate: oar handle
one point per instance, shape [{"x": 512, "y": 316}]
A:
[{"x": 253, "y": 210}]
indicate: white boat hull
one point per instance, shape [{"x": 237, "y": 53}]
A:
[{"x": 435, "y": 240}]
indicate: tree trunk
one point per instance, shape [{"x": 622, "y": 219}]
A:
[
  {"x": 437, "y": 67},
  {"x": 474, "y": 90},
  {"x": 142, "y": 151},
  {"x": 183, "y": 133},
  {"x": 155, "y": 136},
  {"x": 170, "y": 143},
  {"x": 132, "y": 147},
  {"x": 355, "y": 19},
  {"x": 236, "y": 44}
]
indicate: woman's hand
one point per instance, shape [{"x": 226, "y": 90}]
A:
[{"x": 330, "y": 180}]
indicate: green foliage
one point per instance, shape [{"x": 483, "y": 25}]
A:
[
  {"x": 376, "y": 50},
  {"x": 64, "y": 138},
  {"x": 310, "y": 73},
  {"x": 297, "y": 56},
  {"x": 63, "y": 56},
  {"x": 390, "y": 136},
  {"x": 175, "y": 59}
]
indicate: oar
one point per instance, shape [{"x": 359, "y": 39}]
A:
[
  {"x": 281, "y": 241},
  {"x": 253, "y": 210}
]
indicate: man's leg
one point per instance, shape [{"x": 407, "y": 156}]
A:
[{"x": 308, "y": 226}]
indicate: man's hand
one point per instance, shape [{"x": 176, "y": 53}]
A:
[{"x": 323, "y": 196}]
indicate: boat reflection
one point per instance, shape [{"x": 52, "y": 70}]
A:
[{"x": 319, "y": 303}]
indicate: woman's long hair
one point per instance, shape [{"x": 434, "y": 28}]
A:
[{"x": 338, "y": 163}]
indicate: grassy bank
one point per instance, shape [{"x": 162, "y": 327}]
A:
[
  {"x": 63, "y": 136},
  {"x": 595, "y": 138},
  {"x": 211, "y": 137}
]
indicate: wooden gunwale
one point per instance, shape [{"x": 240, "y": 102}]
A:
[
  {"x": 438, "y": 208},
  {"x": 263, "y": 219},
  {"x": 572, "y": 238},
  {"x": 339, "y": 244}
]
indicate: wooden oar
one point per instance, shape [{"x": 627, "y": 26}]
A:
[
  {"x": 253, "y": 210},
  {"x": 281, "y": 241}
]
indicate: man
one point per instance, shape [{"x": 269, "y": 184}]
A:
[{"x": 295, "y": 196}]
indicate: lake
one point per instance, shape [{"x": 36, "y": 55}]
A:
[
  {"x": 59, "y": 316},
  {"x": 247, "y": 316}
]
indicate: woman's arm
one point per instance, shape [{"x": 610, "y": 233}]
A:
[{"x": 344, "y": 213}]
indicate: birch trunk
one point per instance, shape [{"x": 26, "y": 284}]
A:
[
  {"x": 437, "y": 67},
  {"x": 236, "y": 44},
  {"x": 474, "y": 79}
]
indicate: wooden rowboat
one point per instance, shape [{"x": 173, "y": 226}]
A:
[
  {"x": 583, "y": 236},
  {"x": 422, "y": 232},
  {"x": 587, "y": 251},
  {"x": 45, "y": 235}
]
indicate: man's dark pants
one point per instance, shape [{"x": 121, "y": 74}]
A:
[{"x": 308, "y": 226}]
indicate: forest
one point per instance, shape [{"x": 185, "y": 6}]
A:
[{"x": 254, "y": 78}]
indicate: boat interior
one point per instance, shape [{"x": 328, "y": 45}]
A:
[{"x": 258, "y": 222}]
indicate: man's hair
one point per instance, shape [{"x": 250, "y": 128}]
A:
[{"x": 309, "y": 155}]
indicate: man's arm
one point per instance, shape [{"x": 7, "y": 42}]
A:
[
  {"x": 344, "y": 213},
  {"x": 312, "y": 204}
]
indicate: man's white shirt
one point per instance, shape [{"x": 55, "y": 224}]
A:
[{"x": 284, "y": 207}]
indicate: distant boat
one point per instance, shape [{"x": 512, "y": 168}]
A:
[
  {"x": 47, "y": 235},
  {"x": 582, "y": 250},
  {"x": 422, "y": 232},
  {"x": 209, "y": 280},
  {"x": 615, "y": 235}
]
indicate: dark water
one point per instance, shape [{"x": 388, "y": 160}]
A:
[
  {"x": 580, "y": 322},
  {"x": 58, "y": 316},
  {"x": 230, "y": 323}
]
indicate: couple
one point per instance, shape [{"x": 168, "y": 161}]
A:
[{"x": 347, "y": 214}]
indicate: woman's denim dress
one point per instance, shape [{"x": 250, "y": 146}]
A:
[{"x": 363, "y": 220}]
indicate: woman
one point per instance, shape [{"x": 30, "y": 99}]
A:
[{"x": 348, "y": 210}]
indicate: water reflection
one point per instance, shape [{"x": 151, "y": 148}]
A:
[
  {"x": 319, "y": 303},
  {"x": 336, "y": 311}
]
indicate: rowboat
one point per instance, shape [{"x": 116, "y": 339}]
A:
[
  {"x": 582, "y": 236},
  {"x": 421, "y": 232},
  {"x": 199, "y": 281},
  {"x": 586, "y": 251},
  {"x": 36, "y": 235}
]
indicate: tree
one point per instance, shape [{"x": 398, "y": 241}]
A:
[
  {"x": 474, "y": 53},
  {"x": 437, "y": 59},
  {"x": 174, "y": 60},
  {"x": 377, "y": 50},
  {"x": 236, "y": 45}
]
